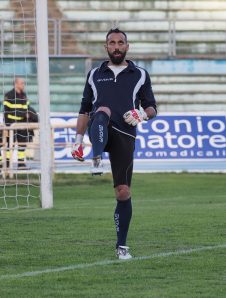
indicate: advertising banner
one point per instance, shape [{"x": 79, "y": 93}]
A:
[{"x": 166, "y": 137}]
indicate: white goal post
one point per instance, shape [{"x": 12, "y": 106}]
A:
[{"x": 44, "y": 103}]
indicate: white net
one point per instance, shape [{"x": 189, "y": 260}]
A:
[{"x": 19, "y": 134}]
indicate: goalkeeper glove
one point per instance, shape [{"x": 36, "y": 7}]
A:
[
  {"x": 133, "y": 117},
  {"x": 77, "y": 150}
]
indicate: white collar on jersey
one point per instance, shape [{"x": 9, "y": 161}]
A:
[{"x": 117, "y": 68}]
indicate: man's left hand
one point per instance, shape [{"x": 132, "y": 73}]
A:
[{"x": 133, "y": 117}]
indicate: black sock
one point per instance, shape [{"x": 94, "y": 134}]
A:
[
  {"x": 99, "y": 133},
  {"x": 122, "y": 217}
]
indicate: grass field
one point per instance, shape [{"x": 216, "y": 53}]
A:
[{"x": 177, "y": 235}]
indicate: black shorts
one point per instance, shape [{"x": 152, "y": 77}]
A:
[{"x": 121, "y": 149}]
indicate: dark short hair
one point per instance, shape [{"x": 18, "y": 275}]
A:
[{"x": 116, "y": 30}]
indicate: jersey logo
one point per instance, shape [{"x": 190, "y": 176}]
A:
[{"x": 105, "y": 80}]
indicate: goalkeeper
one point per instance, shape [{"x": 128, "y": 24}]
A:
[{"x": 110, "y": 110}]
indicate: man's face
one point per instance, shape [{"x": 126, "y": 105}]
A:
[
  {"x": 116, "y": 47},
  {"x": 19, "y": 85}
]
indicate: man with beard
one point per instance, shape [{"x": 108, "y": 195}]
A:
[{"x": 117, "y": 96}]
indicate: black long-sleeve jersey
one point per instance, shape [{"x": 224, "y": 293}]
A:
[
  {"x": 128, "y": 90},
  {"x": 15, "y": 107}
]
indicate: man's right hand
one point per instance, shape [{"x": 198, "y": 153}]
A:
[{"x": 77, "y": 152}]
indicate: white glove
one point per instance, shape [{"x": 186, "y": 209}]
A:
[
  {"x": 77, "y": 149},
  {"x": 133, "y": 117}
]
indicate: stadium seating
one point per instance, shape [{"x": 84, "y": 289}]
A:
[
  {"x": 174, "y": 92},
  {"x": 5, "y": 11},
  {"x": 147, "y": 24},
  {"x": 157, "y": 30},
  {"x": 199, "y": 25}
]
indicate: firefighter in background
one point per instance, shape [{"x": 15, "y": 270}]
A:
[{"x": 16, "y": 109}]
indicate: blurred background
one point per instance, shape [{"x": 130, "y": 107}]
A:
[{"x": 182, "y": 44}]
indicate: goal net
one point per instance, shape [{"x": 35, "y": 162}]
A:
[{"x": 20, "y": 137}]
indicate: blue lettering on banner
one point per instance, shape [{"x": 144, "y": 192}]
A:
[
  {"x": 182, "y": 137},
  {"x": 165, "y": 137},
  {"x": 65, "y": 137}
]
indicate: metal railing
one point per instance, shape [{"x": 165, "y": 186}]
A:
[
  {"x": 148, "y": 38},
  {"x": 8, "y": 144}
]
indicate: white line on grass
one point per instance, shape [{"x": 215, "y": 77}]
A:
[{"x": 111, "y": 262}]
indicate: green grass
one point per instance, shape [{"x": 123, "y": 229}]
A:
[{"x": 171, "y": 212}]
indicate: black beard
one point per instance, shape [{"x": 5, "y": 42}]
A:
[{"x": 117, "y": 60}]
